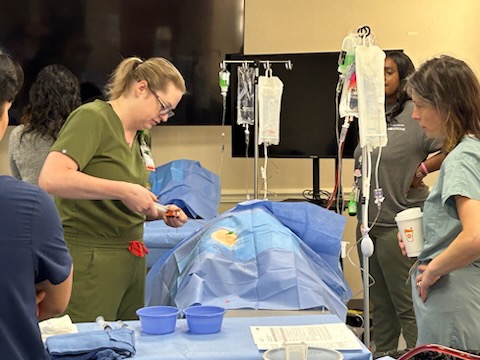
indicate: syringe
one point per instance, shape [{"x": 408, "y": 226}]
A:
[
  {"x": 165, "y": 209},
  {"x": 102, "y": 323},
  {"x": 121, "y": 324}
]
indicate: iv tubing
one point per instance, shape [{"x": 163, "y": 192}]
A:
[
  {"x": 255, "y": 158},
  {"x": 366, "y": 173},
  {"x": 264, "y": 171},
  {"x": 222, "y": 151},
  {"x": 247, "y": 145},
  {"x": 438, "y": 348},
  {"x": 334, "y": 191},
  {"x": 341, "y": 144}
]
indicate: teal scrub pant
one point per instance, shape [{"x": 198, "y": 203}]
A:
[{"x": 450, "y": 315}]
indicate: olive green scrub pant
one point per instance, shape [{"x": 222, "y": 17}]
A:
[
  {"x": 108, "y": 280},
  {"x": 390, "y": 295}
]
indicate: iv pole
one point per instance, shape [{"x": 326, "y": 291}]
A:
[
  {"x": 267, "y": 63},
  {"x": 372, "y": 134}
]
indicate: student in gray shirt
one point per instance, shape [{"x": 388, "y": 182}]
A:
[{"x": 53, "y": 95}]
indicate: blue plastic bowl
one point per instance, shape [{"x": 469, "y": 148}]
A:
[
  {"x": 204, "y": 319},
  {"x": 158, "y": 319}
]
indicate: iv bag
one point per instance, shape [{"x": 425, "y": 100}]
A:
[
  {"x": 369, "y": 63},
  {"x": 270, "y": 91},
  {"x": 348, "y": 105},
  {"x": 347, "y": 55},
  {"x": 246, "y": 96}
]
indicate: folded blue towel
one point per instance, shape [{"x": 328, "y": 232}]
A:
[{"x": 95, "y": 345}]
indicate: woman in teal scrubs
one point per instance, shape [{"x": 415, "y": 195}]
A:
[{"x": 446, "y": 282}]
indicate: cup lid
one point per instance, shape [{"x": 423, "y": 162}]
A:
[{"x": 415, "y": 211}]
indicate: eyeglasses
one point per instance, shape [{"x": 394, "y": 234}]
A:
[{"x": 164, "y": 109}]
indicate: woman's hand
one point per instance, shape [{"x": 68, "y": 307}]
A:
[
  {"x": 39, "y": 296},
  {"x": 174, "y": 217},
  {"x": 139, "y": 198},
  {"x": 424, "y": 280},
  {"x": 417, "y": 183},
  {"x": 401, "y": 244},
  {"x": 420, "y": 173}
]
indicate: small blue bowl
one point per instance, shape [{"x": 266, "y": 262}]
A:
[
  {"x": 204, "y": 319},
  {"x": 158, "y": 320}
]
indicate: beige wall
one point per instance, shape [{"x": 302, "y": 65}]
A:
[{"x": 422, "y": 28}]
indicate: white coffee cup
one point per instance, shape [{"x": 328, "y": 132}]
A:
[{"x": 410, "y": 226}]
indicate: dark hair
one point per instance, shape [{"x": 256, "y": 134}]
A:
[
  {"x": 405, "y": 68},
  {"x": 54, "y": 94},
  {"x": 11, "y": 79},
  {"x": 449, "y": 86}
]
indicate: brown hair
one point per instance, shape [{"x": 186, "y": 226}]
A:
[
  {"x": 157, "y": 71},
  {"x": 450, "y": 86}
]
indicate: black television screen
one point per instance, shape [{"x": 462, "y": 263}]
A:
[
  {"x": 308, "y": 109},
  {"x": 91, "y": 38}
]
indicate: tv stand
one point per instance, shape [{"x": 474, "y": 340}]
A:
[
  {"x": 316, "y": 194},
  {"x": 316, "y": 178}
]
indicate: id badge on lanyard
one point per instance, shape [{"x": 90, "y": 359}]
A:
[{"x": 147, "y": 155}]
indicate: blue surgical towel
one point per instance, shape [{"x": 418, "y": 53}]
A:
[
  {"x": 188, "y": 185},
  {"x": 95, "y": 345}
]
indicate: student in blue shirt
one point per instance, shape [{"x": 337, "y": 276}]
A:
[{"x": 35, "y": 265}]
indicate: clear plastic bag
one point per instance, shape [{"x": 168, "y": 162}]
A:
[{"x": 270, "y": 90}]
